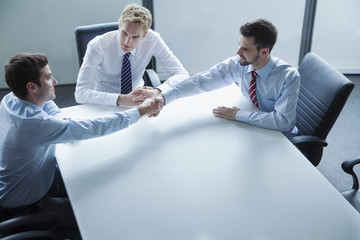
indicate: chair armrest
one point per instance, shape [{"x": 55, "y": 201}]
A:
[
  {"x": 30, "y": 221},
  {"x": 40, "y": 234},
  {"x": 348, "y": 167},
  {"x": 308, "y": 139},
  {"x": 151, "y": 78}
]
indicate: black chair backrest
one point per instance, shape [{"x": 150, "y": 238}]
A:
[
  {"x": 323, "y": 94},
  {"x": 84, "y": 34}
]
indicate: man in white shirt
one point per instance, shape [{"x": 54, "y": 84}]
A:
[{"x": 100, "y": 75}]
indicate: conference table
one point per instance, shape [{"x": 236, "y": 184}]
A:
[{"x": 188, "y": 175}]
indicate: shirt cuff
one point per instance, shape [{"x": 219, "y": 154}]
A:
[
  {"x": 242, "y": 116},
  {"x": 164, "y": 87},
  {"x": 133, "y": 114},
  {"x": 111, "y": 99},
  {"x": 169, "y": 96}
]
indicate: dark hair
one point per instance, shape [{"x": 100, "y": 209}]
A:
[
  {"x": 263, "y": 31},
  {"x": 23, "y": 68}
]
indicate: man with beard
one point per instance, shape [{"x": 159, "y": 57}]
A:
[{"x": 270, "y": 83}]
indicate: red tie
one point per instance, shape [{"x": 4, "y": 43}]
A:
[{"x": 252, "y": 89}]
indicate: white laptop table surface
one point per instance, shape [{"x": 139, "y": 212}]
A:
[{"x": 188, "y": 175}]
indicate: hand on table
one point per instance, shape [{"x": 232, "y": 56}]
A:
[
  {"x": 126, "y": 100},
  {"x": 226, "y": 113}
]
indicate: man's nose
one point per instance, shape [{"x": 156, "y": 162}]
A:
[
  {"x": 238, "y": 51},
  {"x": 55, "y": 81},
  {"x": 127, "y": 39}
]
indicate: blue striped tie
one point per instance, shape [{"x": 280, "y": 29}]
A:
[{"x": 126, "y": 82}]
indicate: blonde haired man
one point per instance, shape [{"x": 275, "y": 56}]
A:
[
  {"x": 137, "y": 15},
  {"x": 100, "y": 76}
]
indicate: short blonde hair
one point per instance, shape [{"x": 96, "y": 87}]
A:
[{"x": 138, "y": 15}]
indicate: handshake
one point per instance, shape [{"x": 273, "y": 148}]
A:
[
  {"x": 149, "y": 101},
  {"x": 151, "y": 106}
]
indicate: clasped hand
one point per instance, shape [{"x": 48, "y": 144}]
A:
[
  {"x": 148, "y": 100},
  {"x": 140, "y": 94},
  {"x": 151, "y": 106},
  {"x": 137, "y": 96}
]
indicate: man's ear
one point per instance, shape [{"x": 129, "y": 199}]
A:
[
  {"x": 265, "y": 51},
  {"x": 31, "y": 88}
]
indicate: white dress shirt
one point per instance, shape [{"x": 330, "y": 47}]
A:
[
  {"x": 99, "y": 79},
  {"x": 277, "y": 90}
]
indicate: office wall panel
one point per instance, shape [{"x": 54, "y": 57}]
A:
[
  {"x": 336, "y": 34},
  {"x": 204, "y": 32},
  {"x": 201, "y": 33},
  {"x": 48, "y": 26}
]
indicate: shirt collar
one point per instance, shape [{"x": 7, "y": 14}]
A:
[
  {"x": 265, "y": 70},
  {"x": 30, "y": 104}
]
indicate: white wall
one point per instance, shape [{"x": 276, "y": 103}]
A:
[
  {"x": 202, "y": 33},
  {"x": 47, "y": 26},
  {"x": 336, "y": 35}
]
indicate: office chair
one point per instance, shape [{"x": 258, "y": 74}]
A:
[
  {"x": 323, "y": 94},
  {"x": 31, "y": 225},
  {"x": 353, "y": 195},
  {"x": 83, "y": 34}
]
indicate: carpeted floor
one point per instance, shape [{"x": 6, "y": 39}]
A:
[{"x": 344, "y": 141}]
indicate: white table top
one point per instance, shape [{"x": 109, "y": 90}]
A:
[{"x": 187, "y": 175}]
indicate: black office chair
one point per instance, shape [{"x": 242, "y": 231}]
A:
[
  {"x": 31, "y": 225},
  {"x": 323, "y": 94},
  {"x": 353, "y": 195},
  {"x": 83, "y": 34}
]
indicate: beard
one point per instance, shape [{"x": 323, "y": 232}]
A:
[{"x": 245, "y": 62}]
